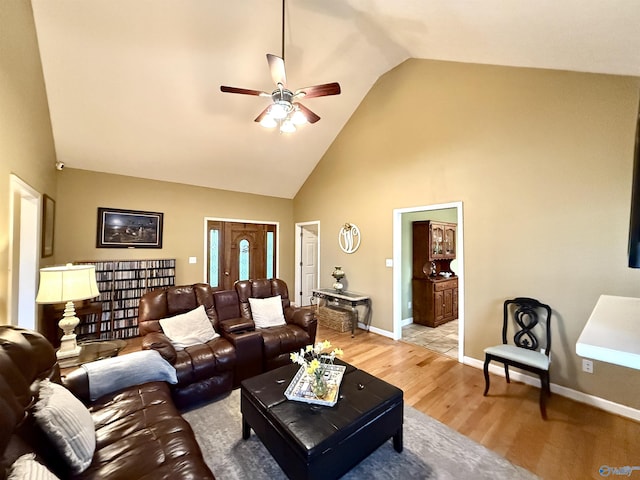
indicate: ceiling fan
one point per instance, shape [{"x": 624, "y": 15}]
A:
[{"x": 285, "y": 110}]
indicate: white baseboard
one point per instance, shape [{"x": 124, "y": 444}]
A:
[
  {"x": 601, "y": 403},
  {"x": 406, "y": 321},
  {"x": 379, "y": 331}
]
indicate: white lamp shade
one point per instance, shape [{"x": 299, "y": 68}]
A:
[{"x": 67, "y": 284}]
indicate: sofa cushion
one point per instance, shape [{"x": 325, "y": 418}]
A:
[
  {"x": 27, "y": 467},
  {"x": 267, "y": 312},
  {"x": 67, "y": 423},
  {"x": 188, "y": 329},
  {"x": 140, "y": 434}
]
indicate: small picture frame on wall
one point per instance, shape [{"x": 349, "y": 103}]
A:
[
  {"x": 129, "y": 229},
  {"x": 48, "y": 223}
]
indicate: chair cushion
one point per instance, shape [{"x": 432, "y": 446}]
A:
[{"x": 527, "y": 357}]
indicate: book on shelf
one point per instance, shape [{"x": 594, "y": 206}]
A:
[{"x": 300, "y": 387}]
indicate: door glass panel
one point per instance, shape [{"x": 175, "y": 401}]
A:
[
  {"x": 270, "y": 255},
  {"x": 243, "y": 259},
  {"x": 214, "y": 257}
]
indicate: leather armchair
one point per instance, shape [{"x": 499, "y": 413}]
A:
[
  {"x": 280, "y": 341},
  {"x": 204, "y": 371}
]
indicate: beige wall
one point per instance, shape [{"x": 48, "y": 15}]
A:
[
  {"x": 542, "y": 161},
  {"x": 81, "y": 192},
  {"x": 26, "y": 141}
]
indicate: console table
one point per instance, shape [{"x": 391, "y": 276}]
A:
[
  {"x": 351, "y": 299},
  {"x": 612, "y": 334}
]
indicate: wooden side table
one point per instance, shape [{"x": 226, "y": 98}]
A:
[{"x": 351, "y": 299}]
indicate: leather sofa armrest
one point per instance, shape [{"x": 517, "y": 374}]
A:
[
  {"x": 161, "y": 343},
  {"x": 235, "y": 325},
  {"x": 304, "y": 317},
  {"x": 77, "y": 381},
  {"x": 248, "y": 347}
]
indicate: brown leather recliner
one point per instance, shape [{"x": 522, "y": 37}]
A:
[
  {"x": 278, "y": 342},
  {"x": 204, "y": 371}
]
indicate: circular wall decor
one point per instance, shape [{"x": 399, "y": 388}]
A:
[{"x": 349, "y": 238}]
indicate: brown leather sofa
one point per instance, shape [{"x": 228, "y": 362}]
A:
[
  {"x": 206, "y": 370},
  {"x": 139, "y": 431}
]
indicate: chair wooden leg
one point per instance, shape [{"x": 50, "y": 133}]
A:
[
  {"x": 486, "y": 376},
  {"x": 506, "y": 373},
  {"x": 545, "y": 392}
]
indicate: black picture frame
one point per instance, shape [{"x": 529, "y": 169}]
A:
[
  {"x": 119, "y": 228},
  {"x": 48, "y": 223}
]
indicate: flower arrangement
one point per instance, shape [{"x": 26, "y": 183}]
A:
[{"x": 315, "y": 361}]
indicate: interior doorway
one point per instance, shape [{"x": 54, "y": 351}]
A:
[
  {"x": 307, "y": 251},
  {"x": 24, "y": 253},
  {"x": 402, "y": 273}
]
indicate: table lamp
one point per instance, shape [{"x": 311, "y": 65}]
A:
[{"x": 62, "y": 284}]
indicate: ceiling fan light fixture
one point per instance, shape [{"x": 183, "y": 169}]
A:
[
  {"x": 278, "y": 110},
  {"x": 268, "y": 122},
  {"x": 287, "y": 127},
  {"x": 298, "y": 118}
]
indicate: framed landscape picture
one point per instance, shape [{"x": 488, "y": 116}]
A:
[{"x": 128, "y": 229}]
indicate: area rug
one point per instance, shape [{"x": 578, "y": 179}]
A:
[{"x": 431, "y": 450}]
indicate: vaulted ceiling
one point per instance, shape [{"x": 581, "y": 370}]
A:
[{"x": 133, "y": 85}]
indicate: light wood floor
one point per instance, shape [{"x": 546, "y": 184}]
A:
[{"x": 573, "y": 443}]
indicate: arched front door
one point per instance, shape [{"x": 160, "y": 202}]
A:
[{"x": 239, "y": 251}]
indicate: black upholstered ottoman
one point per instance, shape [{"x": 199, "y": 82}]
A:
[{"x": 317, "y": 442}]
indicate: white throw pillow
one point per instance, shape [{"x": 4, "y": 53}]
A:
[
  {"x": 67, "y": 423},
  {"x": 27, "y": 467},
  {"x": 267, "y": 312},
  {"x": 187, "y": 329}
]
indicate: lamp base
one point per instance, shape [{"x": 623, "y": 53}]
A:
[{"x": 68, "y": 347}]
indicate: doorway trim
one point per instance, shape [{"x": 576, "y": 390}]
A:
[
  {"x": 397, "y": 270},
  {"x": 298, "y": 252},
  {"x": 24, "y": 252}
]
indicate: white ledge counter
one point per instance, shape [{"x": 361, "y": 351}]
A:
[{"x": 612, "y": 333}]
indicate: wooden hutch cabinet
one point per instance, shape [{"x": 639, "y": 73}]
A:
[{"x": 434, "y": 285}]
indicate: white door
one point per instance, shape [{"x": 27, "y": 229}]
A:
[{"x": 308, "y": 262}]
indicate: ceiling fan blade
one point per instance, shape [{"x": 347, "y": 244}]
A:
[
  {"x": 262, "y": 114},
  {"x": 276, "y": 65},
  {"x": 244, "y": 91},
  {"x": 319, "y": 90},
  {"x": 311, "y": 117}
]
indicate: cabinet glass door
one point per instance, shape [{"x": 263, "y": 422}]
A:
[{"x": 437, "y": 236}]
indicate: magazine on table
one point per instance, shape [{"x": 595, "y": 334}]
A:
[{"x": 300, "y": 387}]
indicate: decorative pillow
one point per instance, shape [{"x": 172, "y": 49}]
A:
[
  {"x": 189, "y": 328},
  {"x": 111, "y": 374},
  {"x": 27, "y": 468},
  {"x": 267, "y": 312},
  {"x": 67, "y": 423}
]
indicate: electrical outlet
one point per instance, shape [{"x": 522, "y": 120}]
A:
[
  {"x": 587, "y": 365},
  {"x": 409, "y": 305}
]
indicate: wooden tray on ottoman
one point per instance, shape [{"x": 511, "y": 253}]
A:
[{"x": 318, "y": 442}]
